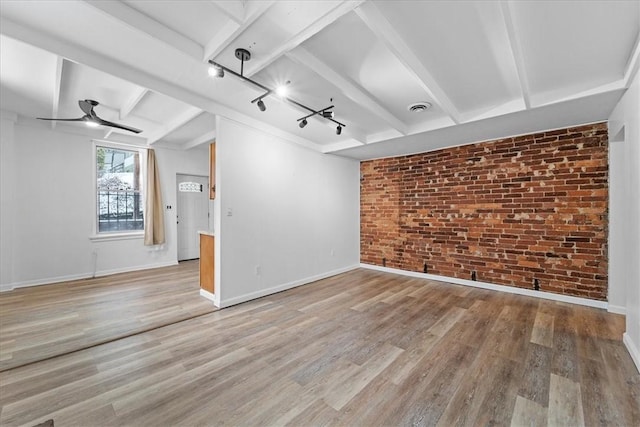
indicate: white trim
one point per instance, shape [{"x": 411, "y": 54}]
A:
[
  {"x": 135, "y": 268},
  {"x": 285, "y": 286},
  {"x": 493, "y": 287},
  {"x": 617, "y": 309},
  {"x": 632, "y": 349},
  {"x": 67, "y": 278},
  {"x": 118, "y": 144},
  {"x": 108, "y": 237},
  {"x": 208, "y": 295}
]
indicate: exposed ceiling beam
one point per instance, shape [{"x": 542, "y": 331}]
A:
[
  {"x": 204, "y": 138},
  {"x": 563, "y": 94},
  {"x": 297, "y": 39},
  {"x": 56, "y": 90},
  {"x": 232, "y": 29},
  {"x": 133, "y": 101},
  {"x": 381, "y": 27},
  {"x": 177, "y": 122},
  {"x": 495, "y": 110},
  {"x": 342, "y": 145},
  {"x": 152, "y": 28},
  {"x": 233, "y": 9},
  {"x": 353, "y": 91},
  {"x": 91, "y": 58},
  {"x": 516, "y": 52},
  {"x": 633, "y": 64}
]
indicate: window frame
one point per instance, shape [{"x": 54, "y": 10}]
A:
[{"x": 115, "y": 235}]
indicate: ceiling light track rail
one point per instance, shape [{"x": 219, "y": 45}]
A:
[{"x": 218, "y": 70}]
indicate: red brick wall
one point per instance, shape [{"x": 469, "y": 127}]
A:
[{"x": 512, "y": 210}]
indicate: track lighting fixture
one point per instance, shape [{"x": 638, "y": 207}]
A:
[{"x": 217, "y": 70}]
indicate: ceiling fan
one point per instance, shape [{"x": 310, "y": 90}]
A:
[{"x": 91, "y": 118}]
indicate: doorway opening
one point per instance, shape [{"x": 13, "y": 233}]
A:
[{"x": 192, "y": 213}]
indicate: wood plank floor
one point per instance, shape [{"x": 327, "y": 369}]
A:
[
  {"x": 362, "y": 348},
  {"x": 44, "y": 321}
]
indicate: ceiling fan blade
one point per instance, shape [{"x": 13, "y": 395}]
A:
[
  {"x": 86, "y": 105},
  {"x": 116, "y": 125},
  {"x": 79, "y": 119}
]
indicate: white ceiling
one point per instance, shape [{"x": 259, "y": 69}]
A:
[{"x": 489, "y": 68}]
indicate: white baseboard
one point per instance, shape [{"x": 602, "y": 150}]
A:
[
  {"x": 493, "y": 287},
  {"x": 135, "y": 268},
  {"x": 70, "y": 277},
  {"x": 208, "y": 295},
  {"x": 264, "y": 292},
  {"x": 617, "y": 309},
  {"x": 632, "y": 349}
]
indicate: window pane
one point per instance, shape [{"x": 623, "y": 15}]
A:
[{"x": 119, "y": 201}]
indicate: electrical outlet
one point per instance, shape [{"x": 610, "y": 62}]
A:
[
  {"x": 229, "y": 212},
  {"x": 258, "y": 270}
]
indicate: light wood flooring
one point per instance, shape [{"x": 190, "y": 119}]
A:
[
  {"x": 44, "y": 321},
  {"x": 362, "y": 348}
]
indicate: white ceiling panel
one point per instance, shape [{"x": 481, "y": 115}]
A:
[
  {"x": 81, "y": 82},
  {"x": 351, "y": 49},
  {"x": 204, "y": 124},
  {"x": 159, "y": 108},
  {"x": 456, "y": 42},
  {"x": 196, "y": 19},
  {"x": 283, "y": 20},
  {"x": 570, "y": 46}
]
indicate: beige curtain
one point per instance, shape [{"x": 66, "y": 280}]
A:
[{"x": 153, "y": 209}]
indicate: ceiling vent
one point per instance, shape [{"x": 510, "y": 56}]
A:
[{"x": 419, "y": 107}]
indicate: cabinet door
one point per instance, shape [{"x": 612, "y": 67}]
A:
[
  {"x": 207, "y": 263},
  {"x": 212, "y": 171}
]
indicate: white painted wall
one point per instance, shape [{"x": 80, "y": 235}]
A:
[
  {"x": 618, "y": 219},
  {"x": 52, "y": 208},
  {"x": 624, "y": 238},
  {"x": 7, "y": 143},
  {"x": 294, "y": 214}
]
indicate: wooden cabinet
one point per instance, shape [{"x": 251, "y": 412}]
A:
[
  {"x": 207, "y": 263},
  {"x": 212, "y": 171}
]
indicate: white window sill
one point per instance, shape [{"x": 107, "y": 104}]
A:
[{"x": 108, "y": 237}]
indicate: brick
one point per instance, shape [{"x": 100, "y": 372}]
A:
[{"x": 508, "y": 209}]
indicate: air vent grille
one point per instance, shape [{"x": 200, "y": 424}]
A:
[{"x": 419, "y": 107}]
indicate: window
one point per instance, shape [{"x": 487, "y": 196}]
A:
[{"x": 119, "y": 190}]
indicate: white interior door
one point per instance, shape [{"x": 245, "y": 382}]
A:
[{"x": 192, "y": 214}]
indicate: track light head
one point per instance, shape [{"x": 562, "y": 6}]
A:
[
  {"x": 216, "y": 70},
  {"x": 327, "y": 114},
  {"x": 261, "y": 105},
  {"x": 338, "y": 130},
  {"x": 303, "y": 123}
]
